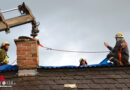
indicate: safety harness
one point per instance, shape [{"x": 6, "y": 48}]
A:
[{"x": 119, "y": 52}]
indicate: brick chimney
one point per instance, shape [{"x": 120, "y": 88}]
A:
[{"x": 27, "y": 56}]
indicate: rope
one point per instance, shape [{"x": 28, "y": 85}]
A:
[
  {"x": 73, "y": 51},
  {"x": 13, "y": 62},
  {"x": 67, "y": 51}
]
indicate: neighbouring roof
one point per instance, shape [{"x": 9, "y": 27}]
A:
[{"x": 84, "y": 78}]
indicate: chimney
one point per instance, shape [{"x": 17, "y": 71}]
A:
[{"x": 27, "y": 56}]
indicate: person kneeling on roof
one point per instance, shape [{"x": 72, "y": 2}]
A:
[
  {"x": 83, "y": 61},
  {"x": 119, "y": 55},
  {"x": 3, "y": 53}
]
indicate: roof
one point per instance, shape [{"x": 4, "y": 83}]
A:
[
  {"x": 102, "y": 77},
  {"x": 15, "y": 67},
  {"x": 92, "y": 78}
]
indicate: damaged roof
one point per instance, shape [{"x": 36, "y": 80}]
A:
[
  {"x": 101, "y": 64},
  {"x": 87, "y": 78}
]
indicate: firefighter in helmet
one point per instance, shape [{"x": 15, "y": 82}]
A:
[
  {"x": 119, "y": 55},
  {"x": 83, "y": 61},
  {"x": 3, "y": 53}
]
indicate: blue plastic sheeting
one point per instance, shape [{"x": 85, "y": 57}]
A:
[
  {"x": 97, "y": 65},
  {"x": 8, "y": 67},
  {"x": 51, "y": 67},
  {"x": 105, "y": 61},
  {"x": 15, "y": 67},
  {"x": 101, "y": 64}
]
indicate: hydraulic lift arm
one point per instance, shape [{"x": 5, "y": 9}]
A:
[{"x": 26, "y": 17}]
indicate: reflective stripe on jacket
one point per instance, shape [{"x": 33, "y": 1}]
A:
[{"x": 120, "y": 52}]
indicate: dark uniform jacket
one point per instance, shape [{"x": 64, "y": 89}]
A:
[{"x": 124, "y": 52}]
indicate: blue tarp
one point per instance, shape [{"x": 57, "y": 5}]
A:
[
  {"x": 105, "y": 61},
  {"x": 101, "y": 64},
  {"x": 15, "y": 67},
  {"x": 8, "y": 67}
]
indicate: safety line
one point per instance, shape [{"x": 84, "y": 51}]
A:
[
  {"x": 13, "y": 62},
  {"x": 73, "y": 51}
]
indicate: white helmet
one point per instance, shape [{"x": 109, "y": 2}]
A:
[
  {"x": 4, "y": 43},
  {"x": 82, "y": 59}
]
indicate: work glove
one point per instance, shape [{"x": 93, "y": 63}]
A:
[{"x": 106, "y": 44}]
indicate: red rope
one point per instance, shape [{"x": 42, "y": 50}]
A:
[
  {"x": 13, "y": 62},
  {"x": 74, "y": 51},
  {"x": 67, "y": 51}
]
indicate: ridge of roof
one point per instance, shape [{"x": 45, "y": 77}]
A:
[{"x": 104, "y": 63}]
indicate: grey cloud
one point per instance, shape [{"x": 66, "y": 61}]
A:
[{"x": 72, "y": 24}]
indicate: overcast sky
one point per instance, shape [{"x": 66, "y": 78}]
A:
[{"x": 71, "y": 25}]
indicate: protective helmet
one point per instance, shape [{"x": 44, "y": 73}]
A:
[
  {"x": 4, "y": 43},
  {"x": 82, "y": 59},
  {"x": 119, "y": 35}
]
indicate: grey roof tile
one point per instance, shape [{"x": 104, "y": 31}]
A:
[
  {"x": 83, "y": 86},
  {"x": 100, "y": 81},
  {"x": 122, "y": 80},
  {"x": 105, "y": 78},
  {"x": 95, "y": 86},
  {"x": 110, "y": 80},
  {"x": 84, "y": 81},
  {"x": 121, "y": 85}
]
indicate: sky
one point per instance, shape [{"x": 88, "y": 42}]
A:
[{"x": 82, "y": 25}]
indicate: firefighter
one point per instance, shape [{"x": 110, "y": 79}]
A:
[
  {"x": 3, "y": 53},
  {"x": 83, "y": 61},
  {"x": 119, "y": 55}
]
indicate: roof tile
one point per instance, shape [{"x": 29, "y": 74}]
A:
[{"x": 97, "y": 78}]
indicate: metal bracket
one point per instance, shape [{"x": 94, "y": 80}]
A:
[
  {"x": 24, "y": 10},
  {"x": 2, "y": 19},
  {"x": 26, "y": 17}
]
